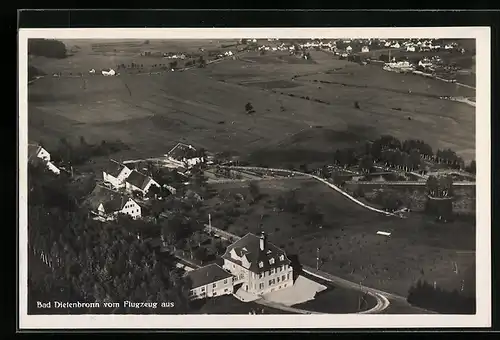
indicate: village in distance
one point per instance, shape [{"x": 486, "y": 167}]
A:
[{"x": 251, "y": 176}]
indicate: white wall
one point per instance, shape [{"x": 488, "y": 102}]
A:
[
  {"x": 115, "y": 182},
  {"x": 259, "y": 284},
  {"x": 131, "y": 208},
  {"x": 44, "y": 154},
  {"x": 222, "y": 287}
]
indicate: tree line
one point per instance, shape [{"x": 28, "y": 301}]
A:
[
  {"x": 404, "y": 155},
  {"x": 424, "y": 295},
  {"x": 67, "y": 153},
  {"x": 48, "y": 48}
]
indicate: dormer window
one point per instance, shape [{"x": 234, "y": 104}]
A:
[
  {"x": 261, "y": 264},
  {"x": 271, "y": 260},
  {"x": 282, "y": 257}
]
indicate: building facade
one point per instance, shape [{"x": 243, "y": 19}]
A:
[
  {"x": 210, "y": 281},
  {"x": 259, "y": 266},
  {"x": 139, "y": 182},
  {"x": 116, "y": 174}
]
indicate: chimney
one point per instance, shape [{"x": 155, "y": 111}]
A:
[{"x": 262, "y": 241}]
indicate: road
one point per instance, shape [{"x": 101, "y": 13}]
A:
[{"x": 334, "y": 187}]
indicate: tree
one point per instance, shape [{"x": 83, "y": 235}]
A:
[
  {"x": 249, "y": 108},
  {"x": 202, "y": 62},
  {"x": 254, "y": 189},
  {"x": 312, "y": 214},
  {"x": 415, "y": 160},
  {"x": 432, "y": 185},
  {"x": 366, "y": 163},
  {"x": 472, "y": 167}
]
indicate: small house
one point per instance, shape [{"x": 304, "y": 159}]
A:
[
  {"x": 116, "y": 174},
  {"x": 137, "y": 181},
  {"x": 36, "y": 153},
  {"x": 365, "y": 49},
  {"x": 410, "y": 48},
  {"x": 108, "y": 72},
  {"x": 396, "y": 45},
  {"x": 209, "y": 281},
  {"x": 348, "y": 49},
  {"x": 184, "y": 155},
  {"x": 106, "y": 204}
]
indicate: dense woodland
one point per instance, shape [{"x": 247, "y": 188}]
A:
[
  {"x": 86, "y": 260},
  {"x": 425, "y": 295},
  {"x": 48, "y": 48}
]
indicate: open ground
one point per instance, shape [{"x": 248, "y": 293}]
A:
[
  {"x": 348, "y": 243},
  {"x": 206, "y": 106}
]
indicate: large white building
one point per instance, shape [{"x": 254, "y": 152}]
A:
[
  {"x": 210, "y": 281},
  {"x": 259, "y": 266}
]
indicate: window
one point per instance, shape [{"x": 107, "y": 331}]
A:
[
  {"x": 288, "y": 276},
  {"x": 242, "y": 275},
  {"x": 261, "y": 285},
  {"x": 225, "y": 281},
  {"x": 279, "y": 287},
  {"x": 225, "y": 290},
  {"x": 214, "y": 285},
  {"x": 272, "y": 271},
  {"x": 278, "y": 278},
  {"x": 283, "y": 278},
  {"x": 261, "y": 275},
  {"x": 202, "y": 289},
  {"x": 270, "y": 282},
  {"x": 282, "y": 257},
  {"x": 234, "y": 278},
  {"x": 271, "y": 260},
  {"x": 261, "y": 264},
  {"x": 284, "y": 285}
]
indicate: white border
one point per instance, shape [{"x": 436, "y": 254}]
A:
[{"x": 483, "y": 251}]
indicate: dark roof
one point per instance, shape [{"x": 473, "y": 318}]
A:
[
  {"x": 181, "y": 151},
  {"x": 137, "y": 179},
  {"x": 208, "y": 274},
  {"x": 111, "y": 200},
  {"x": 114, "y": 168},
  {"x": 249, "y": 245}
]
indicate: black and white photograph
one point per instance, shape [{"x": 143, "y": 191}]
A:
[{"x": 280, "y": 178}]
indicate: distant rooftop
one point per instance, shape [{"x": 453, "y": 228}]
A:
[{"x": 207, "y": 274}]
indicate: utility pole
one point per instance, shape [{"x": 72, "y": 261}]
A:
[
  {"x": 209, "y": 223},
  {"x": 317, "y": 258}
]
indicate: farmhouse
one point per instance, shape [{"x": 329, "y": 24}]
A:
[
  {"x": 396, "y": 45},
  {"x": 348, "y": 49},
  {"x": 209, "y": 281},
  {"x": 365, "y": 49},
  {"x": 36, "y": 153},
  {"x": 184, "y": 156},
  {"x": 108, "y": 72},
  {"x": 116, "y": 174},
  {"x": 139, "y": 182},
  {"x": 410, "y": 48},
  {"x": 258, "y": 265},
  {"x": 106, "y": 204}
]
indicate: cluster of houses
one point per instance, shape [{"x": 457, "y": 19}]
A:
[
  {"x": 252, "y": 266},
  {"x": 105, "y": 72}
]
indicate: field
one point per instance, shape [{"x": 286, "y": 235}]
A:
[
  {"x": 206, "y": 107},
  {"x": 348, "y": 243}
]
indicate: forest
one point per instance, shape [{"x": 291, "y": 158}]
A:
[
  {"x": 90, "y": 261},
  {"x": 48, "y": 48}
]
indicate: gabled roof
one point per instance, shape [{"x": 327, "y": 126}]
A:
[
  {"x": 249, "y": 246},
  {"x": 207, "y": 274},
  {"x": 139, "y": 180},
  {"x": 114, "y": 168},
  {"x": 33, "y": 150},
  {"x": 111, "y": 200},
  {"x": 181, "y": 151}
]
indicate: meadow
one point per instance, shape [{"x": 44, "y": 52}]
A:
[
  {"x": 206, "y": 106},
  {"x": 347, "y": 239}
]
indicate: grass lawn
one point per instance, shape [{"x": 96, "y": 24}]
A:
[{"x": 418, "y": 248}]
